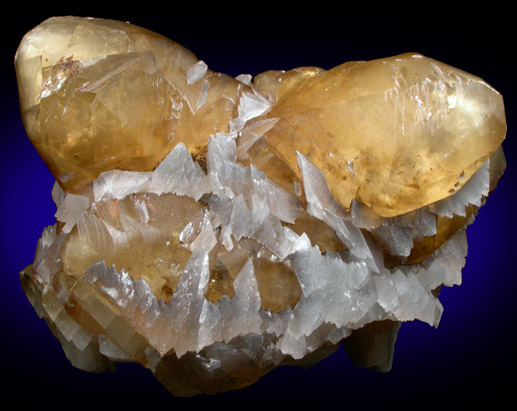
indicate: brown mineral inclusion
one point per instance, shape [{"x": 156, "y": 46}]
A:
[{"x": 212, "y": 228}]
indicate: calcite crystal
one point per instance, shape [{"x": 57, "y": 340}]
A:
[{"x": 212, "y": 228}]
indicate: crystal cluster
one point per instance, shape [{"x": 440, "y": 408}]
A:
[{"x": 212, "y": 228}]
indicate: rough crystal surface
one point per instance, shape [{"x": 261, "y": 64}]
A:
[{"x": 212, "y": 228}]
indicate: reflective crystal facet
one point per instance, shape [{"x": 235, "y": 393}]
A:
[
  {"x": 211, "y": 228},
  {"x": 395, "y": 134},
  {"x": 101, "y": 95}
]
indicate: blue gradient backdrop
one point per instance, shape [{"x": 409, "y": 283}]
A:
[{"x": 465, "y": 359}]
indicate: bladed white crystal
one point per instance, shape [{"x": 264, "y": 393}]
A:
[{"x": 196, "y": 72}]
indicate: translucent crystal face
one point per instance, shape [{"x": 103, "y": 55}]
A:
[
  {"x": 135, "y": 234},
  {"x": 395, "y": 134},
  {"x": 107, "y": 95},
  {"x": 212, "y": 228}
]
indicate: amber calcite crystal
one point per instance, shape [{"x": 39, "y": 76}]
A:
[
  {"x": 212, "y": 228},
  {"x": 108, "y": 95},
  {"x": 396, "y": 134}
]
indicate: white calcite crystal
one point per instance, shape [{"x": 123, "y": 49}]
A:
[{"x": 219, "y": 263}]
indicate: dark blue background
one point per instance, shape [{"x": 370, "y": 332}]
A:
[{"x": 463, "y": 362}]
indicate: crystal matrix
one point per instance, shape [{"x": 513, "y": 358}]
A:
[{"x": 212, "y": 228}]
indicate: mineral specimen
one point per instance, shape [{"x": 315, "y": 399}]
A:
[{"x": 212, "y": 228}]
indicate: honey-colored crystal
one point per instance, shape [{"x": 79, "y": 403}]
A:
[
  {"x": 109, "y": 95},
  {"x": 145, "y": 244},
  {"x": 212, "y": 228},
  {"x": 395, "y": 133}
]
